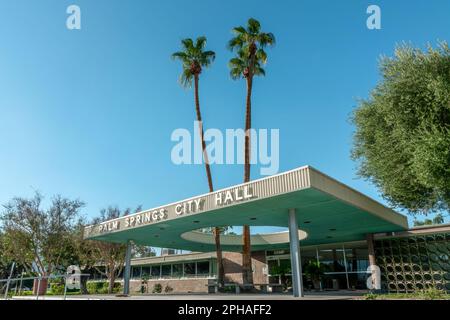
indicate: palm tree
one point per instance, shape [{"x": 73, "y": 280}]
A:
[
  {"x": 194, "y": 58},
  {"x": 249, "y": 44}
]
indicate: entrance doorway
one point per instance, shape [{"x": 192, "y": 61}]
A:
[{"x": 343, "y": 267}]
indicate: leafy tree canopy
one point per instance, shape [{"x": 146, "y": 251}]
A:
[
  {"x": 402, "y": 138},
  {"x": 38, "y": 238},
  {"x": 438, "y": 219}
]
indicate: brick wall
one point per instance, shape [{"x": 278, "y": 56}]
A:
[
  {"x": 233, "y": 273},
  {"x": 232, "y": 262},
  {"x": 178, "y": 285},
  {"x": 259, "y": 267}
]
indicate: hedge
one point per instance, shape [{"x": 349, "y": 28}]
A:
[{"x": 101, "y": 287}]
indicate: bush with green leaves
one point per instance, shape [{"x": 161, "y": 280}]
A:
[
  {"x": 101, "y": 287},
  {"x": 430, "y": 293},
  {"x": 168, "y": 289},
  {"x": 433, "y": 293},
  {"x": 157, "y": 288},
  {"x": 56, "y": 288},
  {"x": 370, "y": 296}
]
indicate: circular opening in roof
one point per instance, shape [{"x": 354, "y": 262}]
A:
[{"x": 235, "y": 239}]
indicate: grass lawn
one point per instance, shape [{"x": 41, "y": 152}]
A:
[{"x": 428, "y": 294}]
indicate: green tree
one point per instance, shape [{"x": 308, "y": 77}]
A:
[
  {"x": 438, "y": 219},
  {"x": 4, "y": 261},
  {"x": 106, "y": 257},
  {"x": 194, "y": 58},
  {"x": 402, "y": 138},
  {"x": 92, "y": 255},
  {"x": 37, "y": 238},
  {"x": 249, "y": 44}
]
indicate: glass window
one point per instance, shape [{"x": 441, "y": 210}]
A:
[
  {"x": 189, "y": 269},
  {"x": 203, "y": 268},
  {"x": 145, "y": 273},
  {"x": 308, "y": 256},
  {"x": 274, "y": 279},
  {"x": 177, "y": 270},
  {"x": 285, "y": 266},
  {"x": 358, "y": 280},
  {"x": 332, "y": 259},
  {"x": 156, "y": 271},
  {"x": 272, "y": 265},
  {"x": 166, "y": 270},
  {"x": 213, "y": 267},
  {"x": 334, "y": 281},
  {"x": 136, "y": 272}
]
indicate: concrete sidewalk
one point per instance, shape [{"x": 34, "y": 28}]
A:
[{"x": 326, "y": 295}]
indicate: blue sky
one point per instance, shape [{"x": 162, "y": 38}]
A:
[{"x": 89, "y": 113}]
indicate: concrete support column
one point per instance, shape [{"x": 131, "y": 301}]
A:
[
  {"x": 296, "y": 264},
  {"x": 127, "y": 271}
]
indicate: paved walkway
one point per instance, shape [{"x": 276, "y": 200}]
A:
[{"x": 326, "y": 295}]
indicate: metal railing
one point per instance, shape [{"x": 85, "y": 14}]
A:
[{"x": 17, "y": 284}]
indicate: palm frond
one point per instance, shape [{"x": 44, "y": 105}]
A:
[
  {"x": 200, "y": 43},
  {"x": 239, "y": 30},
  {"x": 188, "y": 44},
  {"x": 266, "y": 39},
  {"x": 261, "y": 55},
  {"x": 234, "y": 62},
  {"x": 186, "y": 78},
  {"x": 258, "y": 71},
  {"x": 235, "y": 42},
  {"x": 253, "y": 26},
  {"x": 193, "y": 55},
  {"x": 235, "y": 73},
  {"x": 237, "y": 67},
  {"x": 244, "y": 43},
  {"x": 180, "y": 56},
  {"x": 210, "y": 54},
  {"x": 244, "y": 52},
  {"x": 207, "y": 58}
]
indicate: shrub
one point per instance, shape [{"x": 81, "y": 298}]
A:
[
  {"x": 168, "y": 289},
  {"x": 227, "y": 289},
  {"x": 95, "y": 287},
  {"x": 432, "y": 293},
  {"x": 57, "y": 288},
  {"x": 157, "y": 288},
  {"x": 144, "y": 285},
  {"x": 370, "y": 296},
  {"x": 101, "y": 287},
  {"x": 117, "y": 288}
]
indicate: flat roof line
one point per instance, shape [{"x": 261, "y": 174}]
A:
[{"x": 208, "y": 193}]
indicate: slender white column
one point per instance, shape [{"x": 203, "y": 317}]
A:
[
  {"x": 296, "y": 263},
  {"x": 127, "y": 271}
]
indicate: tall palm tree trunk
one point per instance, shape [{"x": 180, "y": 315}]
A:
[
  {"x": 247, "y": 274},
  {"x": 216, "y": 231}
]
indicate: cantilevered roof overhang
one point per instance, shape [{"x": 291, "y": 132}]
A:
[{"x": 327, "y": 212}]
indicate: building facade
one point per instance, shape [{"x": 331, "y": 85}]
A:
[
  {"x": 412, "y": 260},
  {"x": 335, "y": 234}
]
